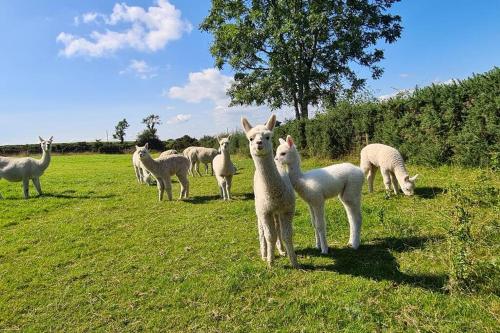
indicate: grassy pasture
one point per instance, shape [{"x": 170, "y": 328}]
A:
[{"x": 98, "y": 252}]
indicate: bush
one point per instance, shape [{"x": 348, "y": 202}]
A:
[{"x": 455, "y": 123}]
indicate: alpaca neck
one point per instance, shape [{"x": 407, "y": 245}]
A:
[
  {"x": 44, "y": 162},
  {"x": 150, "y": 164},
  {"x": 225, "y": 157},
  {"x": 295, "y": 173},
  {"x": 400, "y": 173},
  {"x": 266, "y": 170}
]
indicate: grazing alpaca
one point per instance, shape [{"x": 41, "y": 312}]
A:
[
  {"x": 143, "y": 176},
  {"x": 224, "y": 168},
  {"x": 274, "y": 195},
  {"x": 168, "y": 153},
  {"x": 203, "y": 155},
  {"x": 343, "y": 180},
  {"x": 163, "y": 169},
  {"x": 391, "y": 165},
  {"x": 186, "y": 153},
  {"x": 23, "y": 169}
]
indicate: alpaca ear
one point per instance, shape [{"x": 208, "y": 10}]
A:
[
  {"x": 51, "y": 138},
  {"x": 281, "y": 141},
  {"x": 40, "y": 138},
  {"x": 271, "y": 122},
  {"x": 146, "y": 145},
  {"x": 136, "y": 147},
  {"x": 412, "y": 179},
  {"x": 246, "y": 125},
  {"x": 289, "y": 140},
  {"x": 229, "y": 136},
  {"x": 218, "y": 139}
]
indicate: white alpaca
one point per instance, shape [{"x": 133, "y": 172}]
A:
[
  {"x": 203, "y": 155},
  {"x": 224, "y": 168},
  {"x": 163, "y": 169},
  {"x": 187, "y": 154},
  {"x": 391, "y": 165},
  {"x": 141, "y": 173},
  {"x": 274, "y": 195},
  {"x": 168, "y": 153},
  {"x": 25, "y": 168},
  {"x": 343, "y": 180}
]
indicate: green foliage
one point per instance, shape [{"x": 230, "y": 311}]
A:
[
  {"x": 454, "y": 123},
  {"x": 299, "y": 53},
  {"x": 182, "y": 143},
  {"x": 120, "y": 130},
  {"x": 469, "y": 234},
  {"x": 150, "y": 137}
]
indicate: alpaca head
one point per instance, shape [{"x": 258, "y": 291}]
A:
[
  {"x": 408, "y": 187},
  {"x": 287, "y": 153},
  {"x": 223, "y": 143},
  {"x": 260, "y": 137},
  {"x": 46, "y": 144},
  {"x": 142, "y": 151}
]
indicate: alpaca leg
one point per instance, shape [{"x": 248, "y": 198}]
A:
[
  {"x": 137, "y": 175},
  {"x": 387, "y": 180},
  {"x": 370, "y": 177},
  {"x": 313, "y": 222},
  {"x": 270, "y": 235},
  {"x": 229, "y": 181},
  {"x": 206, "y": 168},
  {"x": 262, "y": 240},
  {"x": 287, "y": 236},
  {"x": 279, "y": 241},
  {"x": 394, "y": 182},
  {"x": 183, "y": 180},
  {"x": 197, "y": 165},
  {"x": 212, "y": 168},
  {"x": 161, "y": 187},
  {"x": 26, "y": 188},
  {"x": 168, "y": 187},
  {"x": 353, "y": 209},
  {"x": 36, "y": 182},
  {"x": 319, "y": 213}
]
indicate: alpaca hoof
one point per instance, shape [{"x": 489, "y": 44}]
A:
[
  {"x": 352, "y": 246},
  {"x": 282, "y": 253}
]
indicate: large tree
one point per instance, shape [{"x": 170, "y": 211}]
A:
[
  {"x": 120, "y": 130},
  {"x": 151, "y": 121},
  {"x": 299, "y": 52}
]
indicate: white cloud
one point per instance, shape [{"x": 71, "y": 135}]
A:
[
  {"x": 140, "y": 69},
  {"x": 149, "y": 30},
  {"x": 400, "y": 92},
  {"x": 209, "y": 84},
  {"x": 180, "y": 118},
  {"x": 404, "y": 75}
]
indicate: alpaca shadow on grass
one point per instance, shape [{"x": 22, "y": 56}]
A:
[
  {"x": 428, "y": 192},
  {"x": 74, "y": 195},
  {"x": 375, "y": 261},
  {"x": 206, "y": 198}
]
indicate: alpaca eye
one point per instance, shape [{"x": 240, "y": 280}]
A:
[
  {"x": 283, "y": 154},
  {"x": 267, "y": 137},
  {"x": 251, "y": 139}
]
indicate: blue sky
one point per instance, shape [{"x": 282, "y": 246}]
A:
[{"x": 149, "y": 57}]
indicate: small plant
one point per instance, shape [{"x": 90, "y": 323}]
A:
[{"x": 460, "y": 242}]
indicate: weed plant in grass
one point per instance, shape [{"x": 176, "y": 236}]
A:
[{"x": 97, "y": 252}]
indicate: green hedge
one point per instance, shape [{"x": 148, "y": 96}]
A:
[{"x": 454, "y": 123}]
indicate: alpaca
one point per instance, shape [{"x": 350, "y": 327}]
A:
[
  {"x": 186, "y": 153},
  {"x": 141, "y": 173},
  {"x": 23, "y": 169},
  {"x": 314, "y": 187},
  {"x": 163, "y": 169},
  {"x": 274, "y": 195},
  {"x": 224, "y": 168},
  {"x": 391, "y": 165},
  {"x": 168, "y": 153},
  {"x": 202, "y": 155}
]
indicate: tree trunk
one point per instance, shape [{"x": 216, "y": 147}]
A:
[
  {"x": 296, "y": 106},
  {"x": 304, "y": 110}
]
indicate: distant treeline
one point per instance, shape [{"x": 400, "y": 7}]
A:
[
  {"x": 439, "y": 124},
  {"x": 443, "y": 123}
]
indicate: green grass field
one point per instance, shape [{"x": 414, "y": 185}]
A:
[{"x": 98, "y": 252}]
